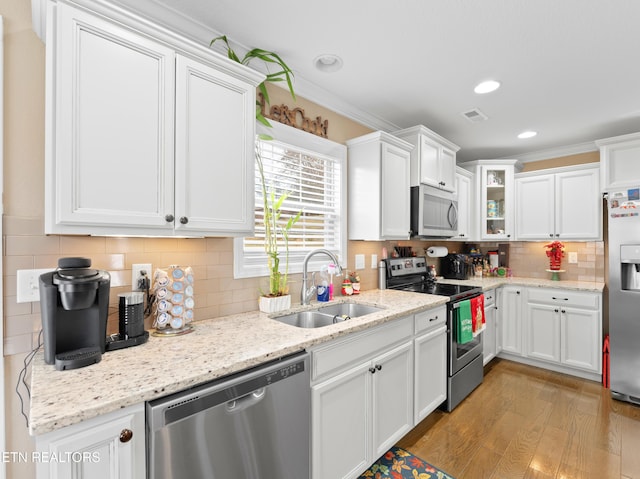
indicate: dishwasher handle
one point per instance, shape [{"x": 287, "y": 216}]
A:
[
  {"x": 245, "y": 402},
  {"x": 224, "y": 392}
]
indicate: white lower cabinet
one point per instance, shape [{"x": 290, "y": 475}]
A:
[
  {"x": 490, "y": 340},
  {"x": 430, "y": 362},
  {"x": 111, "y": 446},
  {"x": 362, "y": 398},
  {"x": 561, "y": 330},
  {"x": 510, "y": 312},
  {"x": 543, "y": 332}
]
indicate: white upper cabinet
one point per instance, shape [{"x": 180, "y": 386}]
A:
[
  {"x": 464, "y": 191},
  {"x": 494, "y": 213},
  {"x": 214, "y": 167},
  {"x": 144, "y": 136},
  {"x": 433, "y": 158},
  {"x": 562, "y": 203},
  {"x": 378, "y": 179},
  {"x": 619, "y": 162}
]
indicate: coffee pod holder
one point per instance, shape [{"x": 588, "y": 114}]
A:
[{"x": 173, "y": 306}]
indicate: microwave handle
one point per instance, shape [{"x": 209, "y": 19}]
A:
[{"x": 453, "y": 207}]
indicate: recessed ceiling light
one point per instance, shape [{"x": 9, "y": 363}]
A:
[
  {"x": 487, "y": 86},
  {"x": 328, "y": 62},
  {"x": 527, "y": 134}
]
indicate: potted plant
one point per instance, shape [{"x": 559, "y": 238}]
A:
[{"x": 276, "y": 228}]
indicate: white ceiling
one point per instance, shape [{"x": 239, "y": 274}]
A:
[{"x": 570, "y": 69}]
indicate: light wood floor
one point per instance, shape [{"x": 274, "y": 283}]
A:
[{"x": 526, "y": 422}]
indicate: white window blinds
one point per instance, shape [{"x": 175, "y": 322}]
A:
[
  {"x": 310, "y": 171},
  {"x": 312, "y": 184}
]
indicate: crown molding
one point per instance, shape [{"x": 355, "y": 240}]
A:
[{"x": 586, "y": 147}]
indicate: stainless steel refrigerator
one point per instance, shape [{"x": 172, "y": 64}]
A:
[{"x": 624, "y": 293}]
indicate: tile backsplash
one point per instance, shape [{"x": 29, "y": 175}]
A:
[{"x": 217, "y": 293}]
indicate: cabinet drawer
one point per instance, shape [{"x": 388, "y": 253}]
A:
[
  {"x": 489, "y": 297},
  {"x": 343, "y": 353},
  {"x": 430, "y": 318},
  {"x": 580, "y": 299}
]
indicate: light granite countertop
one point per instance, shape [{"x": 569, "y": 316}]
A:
[
  {"x": 494, "y": 281},
  {"x": 217, "y": 347}
]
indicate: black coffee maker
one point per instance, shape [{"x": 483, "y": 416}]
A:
[{"x": 74, "y": 302}]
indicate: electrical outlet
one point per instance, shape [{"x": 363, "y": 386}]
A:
[
  {"x": 28, "y": 281},
  {"x": 374, "y": 261},
  {"x": 359, "y": 261},
  {"x": 136, "y": 275},
  {"x": 573, "y": 257}
]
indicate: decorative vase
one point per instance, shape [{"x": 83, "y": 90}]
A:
[
  {"x": 555, "y": 264},
  {"x": 273, "y": 304}
]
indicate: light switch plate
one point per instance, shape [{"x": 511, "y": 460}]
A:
[
  {"x": 359, "y": 261},
  {"x": 573, "y": 257},
  {"x": 374, "y": 261},
  {"x": 28, "y": 289}
]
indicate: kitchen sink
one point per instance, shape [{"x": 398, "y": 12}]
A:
[
  {"x": 308, "y": 319},
  {"x": 353, "y": 310},
  {"x": 326, "y": 315}
]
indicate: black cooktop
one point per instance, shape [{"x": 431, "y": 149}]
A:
[
  {"x": 454, "y": 291},
  {"x": 410, "y": 274}
]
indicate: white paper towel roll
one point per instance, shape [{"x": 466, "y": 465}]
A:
[{"x": 437, "y": 251}]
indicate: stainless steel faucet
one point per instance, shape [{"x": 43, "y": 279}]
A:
[{"x": 307, "y": 293}]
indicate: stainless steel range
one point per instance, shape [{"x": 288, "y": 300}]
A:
[{"x": 465, "y": 369}]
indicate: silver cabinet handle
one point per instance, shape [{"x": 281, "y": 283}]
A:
[
  {"x": 184, "y": 220},
  {"x": 169, "y": 218}
]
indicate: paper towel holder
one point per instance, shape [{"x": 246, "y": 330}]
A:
[{"x": 437, "y": 251}]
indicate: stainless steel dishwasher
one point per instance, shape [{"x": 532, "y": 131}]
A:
[{"x": 252, "y": 425}]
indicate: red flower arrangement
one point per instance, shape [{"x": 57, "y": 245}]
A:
[{"x": 555, "y": 252}]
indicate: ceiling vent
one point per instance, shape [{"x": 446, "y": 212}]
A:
[{"x": 475, "y": 115}]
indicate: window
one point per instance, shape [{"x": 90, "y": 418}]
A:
[{"x": 311, "y": 171}]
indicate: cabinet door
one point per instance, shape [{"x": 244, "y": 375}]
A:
[
  {"x": 543, "y": 332},
  {"x": 111, "y": 162},
  {"x": 582, "y": 339},
  {"x": 578, "y": 205},
  {"x": 511, "y": 318},
  {"x": 215, "y": 136},
  {"x": 429, "y": 162},
  {"x": 463, "y": 188},
  {"x": 620, "y": 166},
  {"x": 341, "y": 434},
  {"x": 535, "y": 207},
  {"x": 392, "y": 397},
  {"x": 489, "y": 337},
  {"x": 99, "y": 448},
  {"x": 448, "y": 169},
  {"x": 497, "y": 202},
  {"x": 395, "y": 207},
  {"x": 430, "y": 365}
]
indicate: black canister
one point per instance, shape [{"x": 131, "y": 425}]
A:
[{"x": 130, "y": 322}]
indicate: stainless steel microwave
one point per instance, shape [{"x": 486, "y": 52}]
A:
[{"x": 434, "y": 213}]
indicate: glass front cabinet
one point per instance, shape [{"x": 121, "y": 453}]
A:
[{"x": 495, "y": 198}]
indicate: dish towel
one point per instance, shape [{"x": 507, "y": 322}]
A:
[
  {"x": 477, "y": 314},
  {"x": 465, "y": 324}
]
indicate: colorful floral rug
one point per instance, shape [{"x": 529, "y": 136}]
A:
[{"x": 400, "y": 464}]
